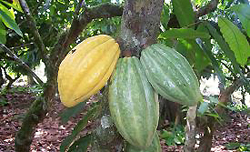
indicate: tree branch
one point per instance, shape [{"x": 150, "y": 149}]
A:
[
  {"x": 33, "y": 29},
  {"x": 20, "y": 62},
  {"x": 224, "y": 96},
  {"x": 210, "y": 7},
  {"x": 61, "y": 48},
  {"x": 190, "y": 129}
]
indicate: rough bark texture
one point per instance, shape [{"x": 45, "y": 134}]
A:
[
  {"x": 206, "y": 140},
  {"x": 140, "y": 25},
  {"x": 35, "y": 114},
  {"x": 112, "y": 142},
  {"x": 190, "y": 129},
  {"x": 25, "y": 135}
]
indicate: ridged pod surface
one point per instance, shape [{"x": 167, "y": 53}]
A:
[
  {"x": 133, "y": 104},
  {"x": 86, "y": 69},
  {"x": 154, "y": 147},
  {"x": 170, "y": 74}
]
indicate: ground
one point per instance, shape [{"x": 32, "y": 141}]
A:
[{"x": 51, "y": 132}]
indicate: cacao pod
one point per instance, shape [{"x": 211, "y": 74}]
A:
[
  {"x": 170, "y": 74},
  {"x": 154, "y": 147},
  {"x": 86, "y": 69},
  {"x": 133, "y": 104}
]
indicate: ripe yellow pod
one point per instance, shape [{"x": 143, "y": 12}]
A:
[{"x": 86, "y": 69}]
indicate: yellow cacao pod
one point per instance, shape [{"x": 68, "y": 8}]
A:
[{"x": 86, "y": 69}]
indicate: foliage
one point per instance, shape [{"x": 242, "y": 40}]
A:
[
  {"x": 175, "y": 135},
  {"x": 34, "y": 90},
  {"x": 91, "y": 114},
  {"x": 7, "y": 18},
  {"x": 236, "y": 40},
  {"x": 237, "y": 107},
  {"x": 238, "y": 146},
  {"x": 207, "y": 108}
]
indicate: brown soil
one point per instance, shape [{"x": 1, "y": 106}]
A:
[{"x": 51, "y": 132}]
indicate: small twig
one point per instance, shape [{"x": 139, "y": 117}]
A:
[
  {"x": 23, "y": 64},
  {"x": 34, "y": 30},
  {"x": 210, "y": 7},
  {"x": 78, "y": 24}
]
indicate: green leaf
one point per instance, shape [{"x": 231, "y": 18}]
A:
[
  {"x": 202, "y": 28},
  {"x": 81, "y": 144},
  {"x": 71, "y": 112},
  {"x": 232, "y": 145},
  {"x": 186, "y": 33},
  {"x": 213, "y": 60},
  {"x": 186, "y": 49},
  {"x": 236, "y": 40},
  {"x": 184, "y": 12},
  {"x": 78, "y": 128},
  {"x": 15, "y": 5},
  {"x": 243, "y": 12},
  {"x": 194, "y": 54},
  {"x": 213, "y": 100},
  {"x": 2, "y": 33},
  {"x": 224, "y": 46},
  {"x": 203, "y": 107},
  {"x": 8, "y": 20},
  {"x": 165, "y": 16},
  {"x": 214, "y": 115}
]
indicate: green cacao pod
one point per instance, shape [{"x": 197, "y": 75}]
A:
[
  {"x": 133, "y": 104},
  {"x": 154, "y": 147},
  {"x": 170, "y": 74}
]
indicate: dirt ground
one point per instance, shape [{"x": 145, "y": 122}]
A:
[{"x": 51, "y": 132}]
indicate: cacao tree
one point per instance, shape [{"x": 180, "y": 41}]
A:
[{"x": 191, "y": 28}]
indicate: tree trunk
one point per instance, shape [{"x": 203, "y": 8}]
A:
[
  {"x": 206, "y": 140},
  {"x": 35, "y": 114},
  {"x": 140, "y": 26},
  {"x": 106, "y": 128},
  {"x": 190, "y": 129},
  {"x": 170, "y": 111}
]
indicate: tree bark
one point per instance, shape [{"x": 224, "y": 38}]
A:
[
  {"x": 140, "y": 25},
  {"x": 35, "y": 114},
  {"x": 190, "y": 129},
  {"x": 170, "y": 111},
  {"x": 206, "y": 140},
  {"x": 106, "y": 128}
]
